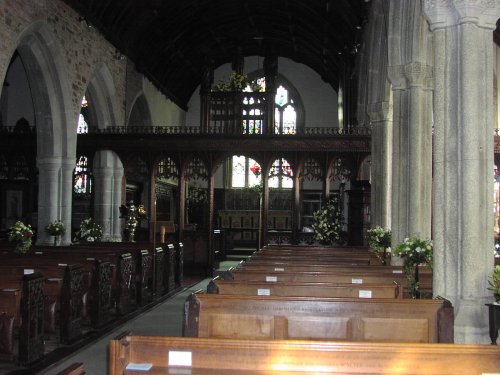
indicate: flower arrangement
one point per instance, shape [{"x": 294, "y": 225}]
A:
[
  {"x": 56, "y": 228},
  {"x": 89, "y": 231},
  {"x": 379, "y": 239},
  {"x": 497, "y": 250},
  {"x": 494, "y": 281},
  {"x": 328, "y": 222},
  {"x": 414, "y": 252},
  {"x": 22, "y": 234},
  {"x": 237, "y": 82}
]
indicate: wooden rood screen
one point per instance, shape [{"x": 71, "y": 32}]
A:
[{"x": 174, "y": 355}]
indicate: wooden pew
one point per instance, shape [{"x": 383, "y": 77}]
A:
[
  {"x": 258, "y": 317},
  {"x": 347, "y": 277},
  {"x": 76, "y": 368},
  {"x": 176, "y": 355},
  {"x": 63, "y": 286},
  {"x": 290, "y": 289},
  {"x": 25, "y": 313}
]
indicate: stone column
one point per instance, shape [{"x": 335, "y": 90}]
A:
[
  {"x": 116, "y": 222},
  {"x": 380, "y": 115},
  {"x": 411, "y": 151},
  {"x": 463, "y": 159},
  {"x": 68, "y": 166},
  {"x": 49, "y": 203},
  {"x": 103, "y": 194}
]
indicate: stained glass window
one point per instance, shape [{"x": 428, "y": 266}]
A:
[
  {"x": 245, "y": 172},
  {"x": 280, "y": 175},
  {"x": 83, "y": 127},
  {"x": 285, "y": 116},
  {"x": 82, "y": 183}
]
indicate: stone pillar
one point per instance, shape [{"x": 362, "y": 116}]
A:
[
  {"x": 103, "y": 194},
  {"x": 380, "y": 115},
  {"x": 411, "y": 151},
  {"x": 463, "y": 159},
  {"x": 68, "y": 166},
  {"x": 49, "y": 203},
  {"x": 108, "y": 195},
  {"x": 116, "y": 222}
]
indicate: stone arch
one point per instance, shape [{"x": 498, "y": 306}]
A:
[
  {"x": 47, "y": 75},
  {"x": 140, "y": 114},
  {"x": 48, "y": 79},
  {"x": 102, "y": 96}
]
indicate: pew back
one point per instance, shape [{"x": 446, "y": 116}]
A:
[
  {"x": 238, "y": 357},
  {"x": 306, "y": 318}
]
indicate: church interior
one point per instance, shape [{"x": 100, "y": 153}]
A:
[{"x": 152, "y": 148}]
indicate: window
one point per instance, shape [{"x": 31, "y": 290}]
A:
[
  {"x": 285, "y": 116},
  {"x": 81, "y": 176},
  {"x": 245, "y": 172},
  {"x": 280, "y": 175},
  {"x": 286, "y": 109}
]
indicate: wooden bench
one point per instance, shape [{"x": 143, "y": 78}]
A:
[
  {"x": 291, "y": 289},
  {"x": 258, "y": 317},
  {"x": 176, "y": 355},
  {"x": 76, "y": 368},
  {"x": 22, "y": 303},
  {"x": 63, "y": 288},
  {"x": 346, "y": 277}
]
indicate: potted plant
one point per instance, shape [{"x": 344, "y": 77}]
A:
[
  {"x": 55, "y": 229},
  {"x": 494, "y": 281},
  {"x": 379, "y": 239},
  {"x": 89, "y": 231},
  {"x": 414, "y": 252},
  {"x": 328, "y": 222},
  {"x": 22, "y": 235}
]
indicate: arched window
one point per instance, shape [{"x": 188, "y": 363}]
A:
[
  {"x": 288, "y": 108},
  {"x": 245, "y": 172},
  {"x": 285, "y": 114},
  {"x": 280, "y": 175},
  {"x": 82, "y": 184}
]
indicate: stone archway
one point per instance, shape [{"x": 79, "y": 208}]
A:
[{"x": 56, "y": 144}]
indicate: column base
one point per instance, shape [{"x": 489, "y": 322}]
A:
[{"x": 471, "y": 321}]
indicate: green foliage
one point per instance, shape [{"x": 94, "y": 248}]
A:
[
  {"x": 494, "y": 280},
  {"x": 237, "y": 82},
  {"x": 328, "y": 222},
  {"x": 379, "y": 240},
  {"x": 89, "y": 231},
  {"x": 56, "y": 228},
  {"x": 22, "y": 235},
  {"x": 415, "y": 251}
]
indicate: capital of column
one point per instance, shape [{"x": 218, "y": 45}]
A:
[
  {"x": 418, "y": 74},
  {"x": 397, "y": 77},
  {"x": 379, "y": 111},
  {"x": 445, "y": 13}
]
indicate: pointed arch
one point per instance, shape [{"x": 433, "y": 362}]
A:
[
  {"x": 47, "y": 76},
  {"x": 140, "y": 114},
  {"x": 101, "y": 94}
]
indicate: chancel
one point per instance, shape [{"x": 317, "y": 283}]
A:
[{"x": 346, "y": 152}]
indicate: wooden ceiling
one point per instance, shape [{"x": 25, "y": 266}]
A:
[{"x": 171, "y": 41}]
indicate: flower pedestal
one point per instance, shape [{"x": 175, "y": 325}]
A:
[
  {"x": 411, "y": 272},
  {"x": 56, "y": 240},
  {"x": 22, "y": 247}
]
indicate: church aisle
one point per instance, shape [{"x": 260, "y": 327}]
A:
[{"x": 164, "y": 319}]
